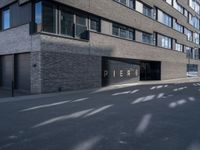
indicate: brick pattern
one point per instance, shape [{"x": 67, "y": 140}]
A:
[
  {"x": 35, "y": 72},
  {"x": 65, "y": 71}
]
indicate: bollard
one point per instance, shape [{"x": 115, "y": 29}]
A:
[{"x": 12, "y": 89}]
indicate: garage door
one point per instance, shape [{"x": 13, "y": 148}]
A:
[
  {"x": 6, "y": 71},
  {"x": 22, "y": 71}
]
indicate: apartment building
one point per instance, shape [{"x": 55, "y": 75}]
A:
[{"x": 59, "y": 45}]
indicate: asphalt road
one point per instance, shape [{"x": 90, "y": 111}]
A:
[{"x": 150, "y": 117}]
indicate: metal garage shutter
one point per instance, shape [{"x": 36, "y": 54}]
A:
[
  {"x": 6, "y": 71},
  {"x": 22, "y": 71}
]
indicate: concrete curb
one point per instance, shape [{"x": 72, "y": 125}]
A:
[{"x": 98, "y": 90}]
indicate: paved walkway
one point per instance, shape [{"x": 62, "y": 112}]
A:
[{"x": 7, "y": 93}]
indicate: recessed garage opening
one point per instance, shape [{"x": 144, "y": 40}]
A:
[
  {"x": 15, "y": 68},
  {"x": 119, "y": 71},
  {"x": 150, "y": 70}
]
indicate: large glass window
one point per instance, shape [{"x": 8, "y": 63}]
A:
[
  {"x": 179, "y": 47},
  {"x": 81, "y": 26},
  {"x": 164, "y": 18},
  {"x": 192, "y": 70},
  {"x": 95, "y": 24},
  {"x": 147, "y": 11},
  {"x": 6, "y": 19},
  {"x": 188, "y": 51},
  {"x": 147, "y": 38},
  {"x": 194, "y": 4},
  {"x": 196, "y": 38},
  {"x": 188, "y": 33},
  {"x": 49, "y": 18},
  {"x": 128, "y": 3},
  {"x": 178, "y": 7},
  {"x": 38, "y": 13},
  {"x": 123, "y": 31},
  {"x": 164, "y": 41},
  {"x": 67, "y": 23},
  {"x": 178, "y": 27},
  {"x": 194, "y": 21},
  {"x": 58, "y": 19}
]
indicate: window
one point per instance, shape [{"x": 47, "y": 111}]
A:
[
  {"x": 194, "y": 4},
  {"x": 147, "y": 11},
  {"x": 95, "y": 24},
  {"x": 6, "y": 19},
  {"x": 128, "y": 3},
  {"x": 164, "y": 18},
  {"x": 188, "y": 33},
  {"x": 67, "y": 23},
  {"x": 37, "y": 17},
  {"x": 81, "y": 26},
  {"x": 188, "y": 51},
  {"x": 49, "y": 18},
  {"x": 178, "y": 27},
  {"x": 147, "y": 38},
  {"x": 123, "y": 32},
  {"x": 196, "y": 53},
  {"x": 196, "y": 38},
  {"x": 169, "y": 2},
  {"x": 38, "y": 13},
  {"x": 192, "y": 68},
  {"x": 178, "y": 7},
  {"x": 164, "y": 41},
  {"x": 194, "y": 21},
  {"x": 179, "y": 47},
  {"x": 185, "y": 13}
]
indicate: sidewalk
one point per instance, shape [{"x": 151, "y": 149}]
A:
[
  {"x": 5, "y": 95},
  {"x": 172, "y": 81},
  {"x": 8, "y": 93}
]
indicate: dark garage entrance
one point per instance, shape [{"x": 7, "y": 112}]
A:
[
  {"x": 22, "y": 71},
  {"x": 150, "y": 70},
  {"x": 15, "y": 68},
  {"x": 115, "y": 70},
  {"x": 6, "y": 71}
]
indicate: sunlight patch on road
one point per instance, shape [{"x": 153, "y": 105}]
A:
[
  {"x": 177, "y": 103},
  {"x": 149, "y": 98},
  {"x": 196, "y": 84},
  {"x": 194, "y": 146},
  {"x": 80, "y": 100},
  {"x": 53, "y": 104},
  {"x": 181, "y": 102},
  {"x": 161, "y": 95},
  {"x": 143, "y": 99},
  {"x": 88, "y": 144},
  {"x": 180, "y": 89},
  {"x": 192, "y": 99},
  {"x": 125, "y": 92},
  {"x": 158, "y": 87},
  {"x": 63, "y": 118},
  {"x": 45, "y": 106},
  {"x": 143, "y": 125},
  {"x": 121, "y": 93},
  {"x": 98, "y": 110}
]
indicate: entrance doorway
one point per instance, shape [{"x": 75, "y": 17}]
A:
[{"x": 150, "y": 70}]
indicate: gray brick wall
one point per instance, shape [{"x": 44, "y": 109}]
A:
[
  {"x": 69, "y": 71},
  {"x": 18, "y": 40},
  {"x": 35, "y": 69},
  {"x": 173, "y": 70}
]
